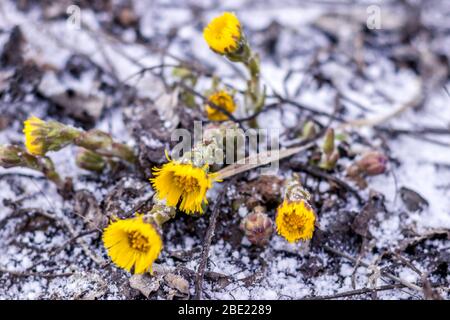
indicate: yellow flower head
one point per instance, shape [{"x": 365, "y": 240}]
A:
[
  {"x": 43, "y": 136},
  {"x": 223, "y": 100},
  {"x": 175, "y": 181},
  {"x": 295, "y": 220},
  {"x": 133, "y": 243},
  {"x": 35, "y": 136},
  {"x": 223, "y": 33}
]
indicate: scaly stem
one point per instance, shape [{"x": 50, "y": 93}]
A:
[{"x": 255, "y": 96}]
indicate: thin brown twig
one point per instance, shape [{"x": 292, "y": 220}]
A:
[
  {"x": 424, "y": 130},
  {"x": 207, "y": 243},
  {"x": 21, "y": 175},
  {"x": 356, "y": 292},
  {"x": 258, "y": 160},
  {"x": 260, "y": 111},
  {"x": 151, "y": 68},
  {"x": 310, "y": 109},
  {"x": 22, "y": 274}
]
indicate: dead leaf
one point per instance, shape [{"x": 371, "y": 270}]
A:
[
  {"x": 412, "y": 200},
  {"x": 86, "y": 206},
  {"x": 177, "y": 282},
  {"x": 361, "y": 222},
  {"x": 145, "y": 283}
]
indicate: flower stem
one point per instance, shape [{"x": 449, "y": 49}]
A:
[
  {"x": 102, "y": 143},
  {"x": 255, "y": 97}
]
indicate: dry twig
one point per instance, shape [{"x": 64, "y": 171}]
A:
[{"x": 207, "y": 243}]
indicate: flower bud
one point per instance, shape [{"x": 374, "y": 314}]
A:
[
  {"x": 10, "y": 156},
  {"x": 309, "y": 130},
  {"x": 95, "y": 140},
  {"x": 14, "y": 156},
  {"x": 101, "y": 142},
  {"x": 329, "y": 161},
  {"x": 294, "y": 191},
  {"x": 43, "y": 136},
  {"x": 258, "y": 227},
  {"x": 328, "y": 143},
  {"x": 89, "y": 160},
  {"x": 372, "y": 163}
]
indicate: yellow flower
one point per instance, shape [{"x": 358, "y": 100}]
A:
[
  {"x": 43, "y": 136},
  {"x": 295, "y": 220},
  {"x": 132, "y": 243},
  {"x": 223, "y": 100},
  {"x": 175, "y": 181},
  {"x": 34, "y": 140},
  {"x": 223, "y": 33}
]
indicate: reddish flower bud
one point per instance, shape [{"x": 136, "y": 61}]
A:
[
  {"x": 372, "y": 163},
  {"x": 258, "y": 227}
]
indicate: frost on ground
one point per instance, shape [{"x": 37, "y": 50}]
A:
[{"x": 384, "y": 89}]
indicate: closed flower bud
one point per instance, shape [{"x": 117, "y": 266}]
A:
[
  {"x": 328, "y": 143},
  {"x": 91, "y": 161},
  {"x": 101, "y": 142},
  {"x": 294, "y": 189},
  {"x": 95, "y": 140},
  {"x": 329, "y": 162},
  {"x": 258, "y": 227},
  {"x": 372, "y": 163},
  {"x": 309, "y": 130},
  {"x": 10, "y": 156},
  {"x": 14, "y": 156}
]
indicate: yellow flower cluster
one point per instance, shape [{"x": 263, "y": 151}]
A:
[{"x": 133, "y": 244}]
